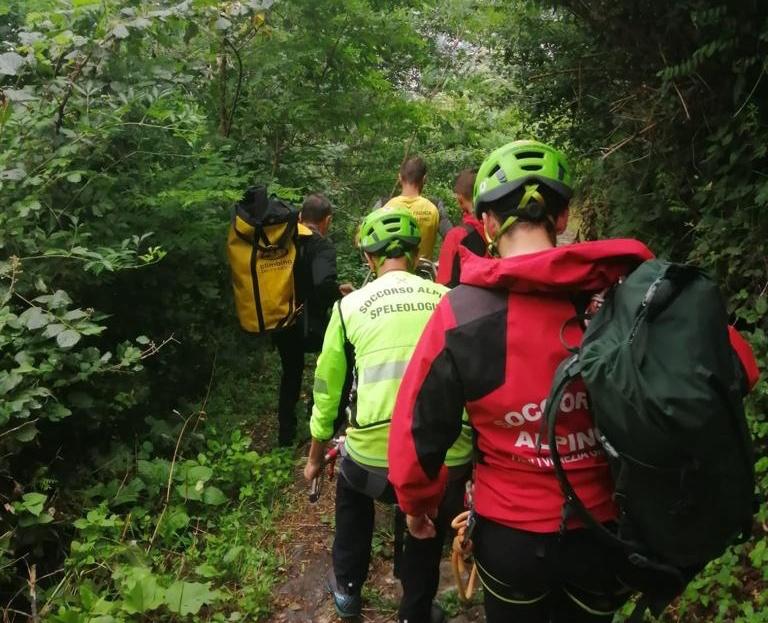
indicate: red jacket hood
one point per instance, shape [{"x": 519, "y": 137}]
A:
[{"x": 586, "y": 266}]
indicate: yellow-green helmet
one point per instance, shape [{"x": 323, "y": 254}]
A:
[
  {"x": 517, "y": 164},
  {"x": 391, "y": 231}
]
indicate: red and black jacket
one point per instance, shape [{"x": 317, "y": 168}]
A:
[
  {"x": 469, "y": 234},
  {"x": 493, "y": 345}
]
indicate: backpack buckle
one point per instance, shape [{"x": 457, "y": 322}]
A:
[{"x": 573, "y": 367}]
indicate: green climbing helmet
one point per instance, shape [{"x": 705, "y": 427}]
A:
[
  {"x": 521, "y": 163},
  {"x": 390, "y": 231}
]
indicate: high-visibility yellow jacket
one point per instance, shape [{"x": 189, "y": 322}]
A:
[{"x": 380, "y": 325}]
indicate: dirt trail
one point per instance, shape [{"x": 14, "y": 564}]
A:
[
  {"x": 305, "y": 546},
  {"x": 304, "y": 543}
]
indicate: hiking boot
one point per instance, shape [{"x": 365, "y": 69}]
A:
[
  {"x": 286, "y": 437},
  {"x": 348, "y": 605},
  {"x": 436, "y": 615}
]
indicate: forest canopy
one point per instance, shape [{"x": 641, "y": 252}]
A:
[{"x": 128, "y": 128}]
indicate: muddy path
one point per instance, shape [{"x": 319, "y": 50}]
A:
[{"x": 304, "y": 546}]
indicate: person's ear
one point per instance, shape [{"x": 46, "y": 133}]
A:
[
  {"x": 301, "y": 217},
  {"x": 327, "y": 223},
  {"x": 491, "y": 225},
  {"x": 561, "y": 222},
  {"x": 464, "y": 203}
]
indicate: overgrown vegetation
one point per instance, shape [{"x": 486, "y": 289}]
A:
[
  {"x": 128, "y": 399},
  {"x": 666, "y": 103}
]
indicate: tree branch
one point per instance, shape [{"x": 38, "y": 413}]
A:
[
  {"x": 329, "y": 58},
  {"x": 236, "y": 97},
  {"x": 221, "y": 61},
  {"x": 75, "y": 75},
  {"x": 629, "y": 139}
]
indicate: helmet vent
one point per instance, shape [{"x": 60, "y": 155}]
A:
[
  {"x": 524, "y": 155},
  {"x": 561, "y": 172},
  {"x": 531, "y": 167}
]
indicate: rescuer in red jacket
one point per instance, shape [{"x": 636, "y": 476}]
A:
[
  {"x": 493, "y": 345},
  {"x": 469, "y": 234}
]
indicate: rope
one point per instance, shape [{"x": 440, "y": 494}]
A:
[{"x": 461, "y": 551}]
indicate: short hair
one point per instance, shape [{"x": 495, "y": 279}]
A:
[
  {"x": 315, "y": 208},
  {"x": 413, "y": 170},
  {"x": 465, "y": 183}
]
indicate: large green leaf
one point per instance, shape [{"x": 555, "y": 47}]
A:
[
  {"x": 10, "y": 63},
  {"x": 33, "y": 503},
  {"x": 142, "y": 593},
  {"x": 188, "y": 597},
  {"x": 214, "y": 496},
  {"x": 192, "y": 473},
  {"x": 67, "y": 339}
]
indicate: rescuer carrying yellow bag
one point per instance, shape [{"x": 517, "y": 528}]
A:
[{"x": 263, "y": 246}]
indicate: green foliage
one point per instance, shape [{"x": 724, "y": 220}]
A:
[
  {"x": 176, "y": 536},
  {"x": 128, "y": 129},
  {"x": 665, "y": 105},
  {"x": 453, "y": 606}
]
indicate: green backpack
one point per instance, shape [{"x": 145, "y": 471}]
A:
[{"x": 666, "y": 393}]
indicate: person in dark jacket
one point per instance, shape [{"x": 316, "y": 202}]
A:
[
  {"x": 469, "y": 234},
  {"x": 317, "y": 289}
]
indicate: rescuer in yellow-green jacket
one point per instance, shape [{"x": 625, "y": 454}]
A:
[{"x": 369, "y": 341}]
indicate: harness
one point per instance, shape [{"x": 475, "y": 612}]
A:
[{"x": 461, "y": 549}]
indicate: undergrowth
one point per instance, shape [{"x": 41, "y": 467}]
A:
[{"x": 178, "y": 527}]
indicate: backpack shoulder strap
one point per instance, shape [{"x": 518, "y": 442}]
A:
[
  {"x": 262, "y": 241},
  {"x": 566, "y": 373},
  {"x": 474, "y": 241},
  {"x": 347, "y": 399}
]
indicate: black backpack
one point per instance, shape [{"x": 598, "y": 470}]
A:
[{"x": 666, "y": 393}]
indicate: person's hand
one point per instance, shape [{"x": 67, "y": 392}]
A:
[
  {"x": 312, "y": 470},
  {"x": 420, "y": 526},
  {"x": 346, "y": 288}
]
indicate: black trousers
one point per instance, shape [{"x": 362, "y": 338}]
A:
[
  {"x": 356, "y": 489},
  {"x": 547, "y": 578},
  {"x": 290, "y": 346}
]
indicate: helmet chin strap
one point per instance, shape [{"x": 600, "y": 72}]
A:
[
  {"x": 393, "y": 246},
  {"x": 493, "y": 241},
  {"x": 531, "y": 195}
]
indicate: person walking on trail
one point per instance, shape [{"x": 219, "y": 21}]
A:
[
  {"x": 469, "y": 234},
  {"x": 492, "y": 346},
  {"x": 317, "y": 289},
  {"x": 412, "y": 176},
  {"x": 370, "y": 339}
]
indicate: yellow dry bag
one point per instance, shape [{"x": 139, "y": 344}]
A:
[{"x": 263, "y": 246}]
